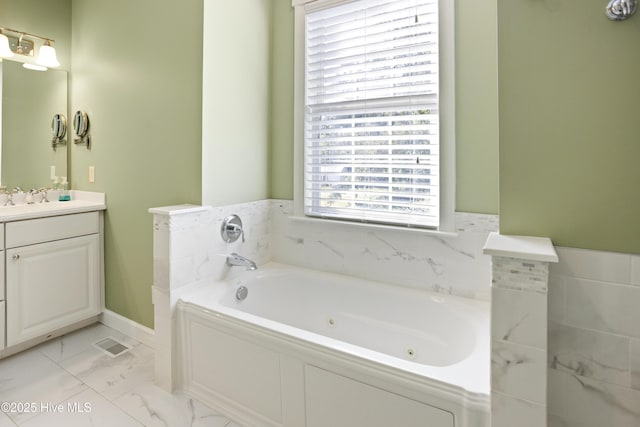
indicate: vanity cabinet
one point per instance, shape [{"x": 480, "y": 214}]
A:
[
  {"x": 53, "y": 274},
  {"x": 2, "y": 302}
]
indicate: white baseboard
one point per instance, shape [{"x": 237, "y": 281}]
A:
[{"x": 128, "y": 327}]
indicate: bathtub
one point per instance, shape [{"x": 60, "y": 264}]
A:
[{"x": 307, "y": 348}]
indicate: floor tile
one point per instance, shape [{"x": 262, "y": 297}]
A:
[
  {"x": 5, "y": 421},
  {"x": 72, "y": 344},
  {"x": 112, "y": 376},
  {"x": 30, "y": 377},
  {"x": 86, "y": 409},
  {"x": 120, "y": 391},
  {"x": 153, "y": 407}
]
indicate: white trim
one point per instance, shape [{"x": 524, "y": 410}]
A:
[
  {"x": 373, "y": 226},
  {"x": 316, "y": 4},
  {"x": 447, "y": 115},
  {"x": 298, "y": 113},
  {"x": 447, "y": 111},
  {"x": 128, "y": 327}
]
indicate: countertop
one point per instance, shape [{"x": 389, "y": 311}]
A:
[{"x": 81, "y": 201}]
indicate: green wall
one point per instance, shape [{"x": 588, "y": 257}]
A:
[
  {"x": 569, "y": 135},
  {"x": 281, "y": 156},
  {"x": 236, "y": 100},
  {"x": 137, "y": 72},
  {"x": 476, "y": 105}
]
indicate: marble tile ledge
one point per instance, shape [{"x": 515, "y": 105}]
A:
[{"x": 522, "y": 247}]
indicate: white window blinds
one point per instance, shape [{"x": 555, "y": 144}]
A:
[{"x": 371, "y": 112}]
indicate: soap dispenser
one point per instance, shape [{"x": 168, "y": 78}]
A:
[{"x": 64, "y": 190}]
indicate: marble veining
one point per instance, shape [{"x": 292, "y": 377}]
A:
[
  {"x": 450, "y": 246},
  {"x": 453, "y": 265},
  {"x": 615, "y": 400},
  {"x": 507, "y": 411},
  {"x": 102, "y": 414},
  {"x": 589, "y": 354},
  {"x": 519, "y": 340},
  {"x": 594, "y": 342},
  {"x": 188, "y": 248},
  {"x": 515, "y": 370},
  {"x": 519, "y": 317},
  {"x": 507, "y": 335},
  {"x": 112, "y": 377},
  {"x": 70, "y": 345},
  {"x": 331, "y": 248},
  {"x": 153, "y": 407},
  {"x": 436, "y": 268},
  {"x": 32, "y": 377}
]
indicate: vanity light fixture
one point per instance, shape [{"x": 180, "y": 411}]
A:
[
  {"x": 21, "y": 43},
  {"x": 5, "y": 50}
]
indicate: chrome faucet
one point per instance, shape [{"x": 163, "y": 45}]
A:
[
  {"x": 238, "y": 260},
  {"x": 31, "y": 195},
  {"x": 9, "y": 194},
  {"x": 44, "y": 192}
]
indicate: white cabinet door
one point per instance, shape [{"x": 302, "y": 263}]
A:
[{"x": 51, "y": 285}]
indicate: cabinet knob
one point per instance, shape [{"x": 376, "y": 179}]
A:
[{"x": 16, "y": 257}]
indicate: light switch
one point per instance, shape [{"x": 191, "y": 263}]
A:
[{"x": 92, "y": 174}]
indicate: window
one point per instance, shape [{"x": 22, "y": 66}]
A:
[{"x": 372, "y": 143}]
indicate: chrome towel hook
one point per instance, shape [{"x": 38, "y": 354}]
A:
[{"x": 619, "y": 10}]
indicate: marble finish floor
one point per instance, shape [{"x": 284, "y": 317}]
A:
[{"x": 69, "y": 382}]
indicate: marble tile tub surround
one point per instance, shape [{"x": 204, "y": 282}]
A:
[
  {"x": 195, "y": 252},
  {"x": 519, "y": 287},
  {"x": 188, "y": 247},
  {"x": 452, "y": 264},
  {"x": 188, "y": 250},
  {"x": 594, "y": 339}
]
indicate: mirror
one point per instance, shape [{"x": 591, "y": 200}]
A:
[{"x": 29, "y": 101}]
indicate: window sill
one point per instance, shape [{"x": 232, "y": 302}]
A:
[{"x": 373, "y": 227}]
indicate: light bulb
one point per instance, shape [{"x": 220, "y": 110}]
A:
[{"x": 47, "y": 56}]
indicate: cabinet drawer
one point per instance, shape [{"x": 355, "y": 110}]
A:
[{"x": 21, "y": 233}]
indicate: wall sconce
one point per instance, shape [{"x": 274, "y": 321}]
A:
[{"x": 20, "y": 43}]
